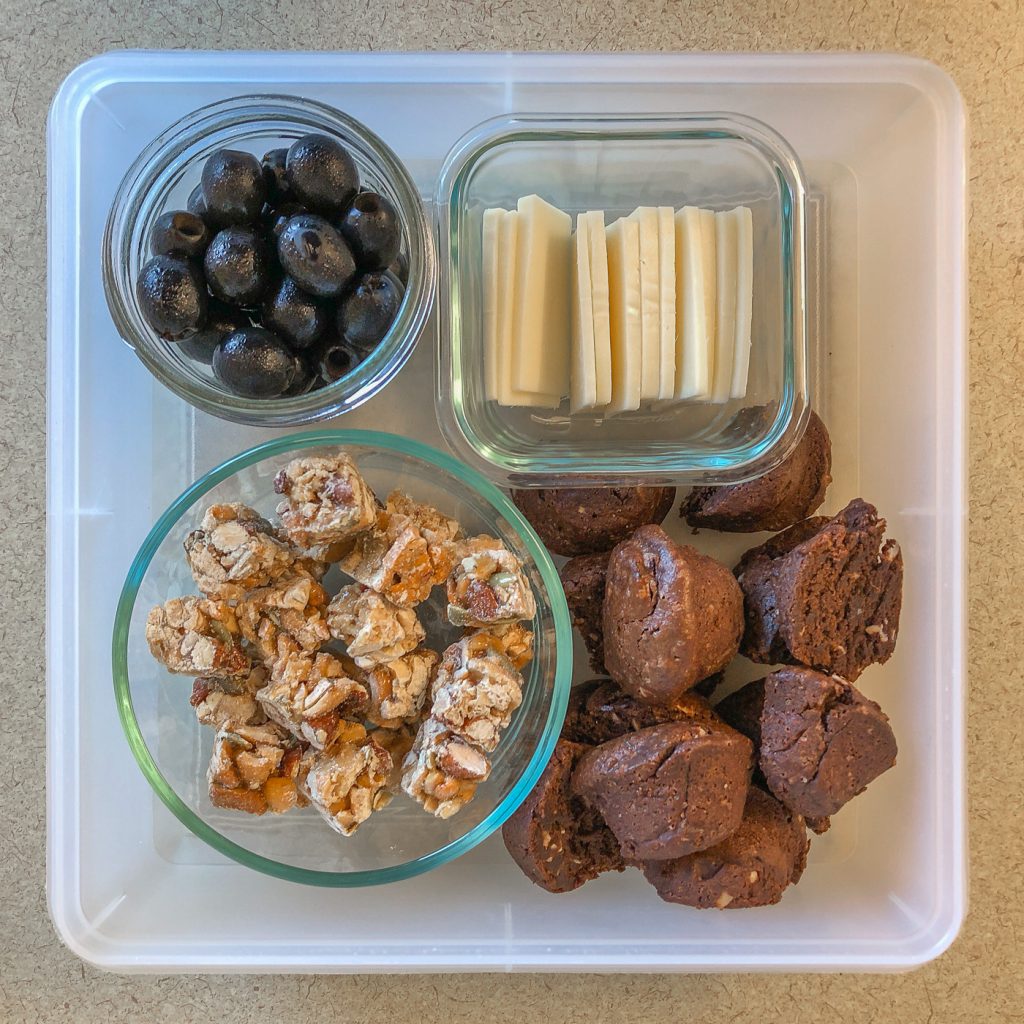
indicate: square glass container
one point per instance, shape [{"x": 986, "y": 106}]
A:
[{"x": 615, "y": 164}]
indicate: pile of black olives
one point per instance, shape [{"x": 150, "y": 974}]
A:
[{"x": 282, "y": 274}]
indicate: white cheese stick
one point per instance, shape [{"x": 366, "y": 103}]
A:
[
  {"x": 667, "y": 300},
  {"x": 725, "y": 328},
  {"x": 541, "y": 322},
  {"x": 708, "y": 233},
  {"x": 508, "y": 232},
  {"x": 601, "y": 306},
  {"x": 624, "y": 293},
  {"x": 583, "y": 368},
  {"x": 692, "y": 340},
  {"x": 491, "y": 292},
  {"x": 744, "y": 299},
  {"x": 650, "y": 295}
]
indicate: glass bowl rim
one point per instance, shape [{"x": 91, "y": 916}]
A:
[
  {"x": 316, "y": 439},
  {"x": 157, "y": 158},
  {"x": 724, "y": 467}
]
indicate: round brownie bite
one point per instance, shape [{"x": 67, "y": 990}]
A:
[
  {"x": 558, "y": 841},
  {"x": 671, "y": 616},
  {"x": 583, "y": 579},
  {"x": 668, "y": 790},
  {"x": 751, "y": 867},
  {"x": 822, "y": 741},
  {"x": 825, "y": 593},
  {"x": 585, "y": 520},
  {"x": 778, "y": 499},
  {"x": 600, "y": 711}
]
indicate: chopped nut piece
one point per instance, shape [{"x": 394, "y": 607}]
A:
[
  {"x": 475, "y": 691},
  {"x": 440, "y": 532},
  {"x": 310, "y": 694},
  {"x": 441, "y": 772},
  {"x": 195, "y": 636},
  {"x": 346, "y": 783},
  {"x": 488, "y": 585},
  {"x": 254, "y": 769},
  {"x": 236, "y": 549},
  {"x": 397, "y": 742},
  {"x": 411, "y": 549},
  {"x": 228, "y": 703},
  {"x": 512, "y": 639},
  {"x": 326, "y": 500},
  {"x": 294, "y": 607},
  {"x": 399, "y": 688},
  {"x": 375, "y": 630}
]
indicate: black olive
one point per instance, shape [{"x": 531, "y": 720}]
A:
[
  {"x": 254, "y": 363},
  {"x": 306, "y": 376},
  {"x": 296, "y": 316},
  {"x": 336, "y": 358},
  {"x": 399, "y": 266},
  {"x": 196, "y": 203},
  {"x": 221, "y": 320},
  {"x": 373, "y": 231},
  {"x": 237, "y": 265},
  {"x": 273, "y": 175},
  {"x": 320, "y": 171},
  {"x": 276, "y": 217},
  {"x": 366, "y": 313},
  {"x": 179, "y": 234},
  {"x": 172, "y": 294},
  {"x": 233, "y": 188},
  {"x": 315, "y": 255}
]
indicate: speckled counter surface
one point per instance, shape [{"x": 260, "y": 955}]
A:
[{"x": 981, "y": 42}]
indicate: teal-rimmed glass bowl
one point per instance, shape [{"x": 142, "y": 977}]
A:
[{"x": 401, "y": 840}]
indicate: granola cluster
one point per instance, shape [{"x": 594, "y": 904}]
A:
[
  {"x": 488, "y": 586},
  {"x": 336, "y": 702}
]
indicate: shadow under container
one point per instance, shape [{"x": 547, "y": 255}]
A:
[{"x": 595, "y": 162}]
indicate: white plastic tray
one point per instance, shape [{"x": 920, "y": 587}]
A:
[{"x": 882, "y": 140}]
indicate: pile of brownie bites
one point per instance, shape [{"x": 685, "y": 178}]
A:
[{"x": 712, "y": 803}]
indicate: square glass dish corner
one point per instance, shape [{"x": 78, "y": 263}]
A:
[{"x": 584, "y": 162}]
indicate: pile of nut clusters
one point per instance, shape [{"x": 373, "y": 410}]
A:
[{"x": 343, "y": 727}]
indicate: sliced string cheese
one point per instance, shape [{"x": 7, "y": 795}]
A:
[
  {"x": 601, "y": 306},
  {"x": 667, "y": 300},
  {"x": 725, "y": 326},
  {"x": 744, "y": 299},
  {"x": 624, "y": 290},
  {"x": 541, "y": 322}
]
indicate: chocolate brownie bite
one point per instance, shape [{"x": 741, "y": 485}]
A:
[
  {"x": 556, "y": 839},
  {"x": 751, "y": 867},
  {"x": 583, "y": 579},
  {"x": 668, "y": 790},
  {"x": 600, "y": 711},
  {"x": 783, "y": 496},
  {"x": 825, "y": 593},
  {"x": 822, "y": 741},
  {"x": 742, "y": 710},
  {"x": 585, "y": 520},
  {"x": 671, "y": 616}
]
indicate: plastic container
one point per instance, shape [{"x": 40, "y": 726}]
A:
[
  {"x": 881, "y": 140},
  {"x": 613, "y": 163},
  {"x": 400, "y": 840},
  {"x": 161, "y": 179}
]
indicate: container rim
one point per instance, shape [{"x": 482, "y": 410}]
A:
[
  {"x": 333, "y": 438},
  {"x": 723, "y": 466}
]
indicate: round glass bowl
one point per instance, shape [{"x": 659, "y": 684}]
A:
[
  {"x": 400, "y": 840},
  {"x": 161, "y": 179}
]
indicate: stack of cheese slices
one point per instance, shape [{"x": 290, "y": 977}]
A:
[{"x": 655, "y": 308}]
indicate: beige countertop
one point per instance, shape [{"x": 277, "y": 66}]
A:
[{"x": 981, "y": 43}]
